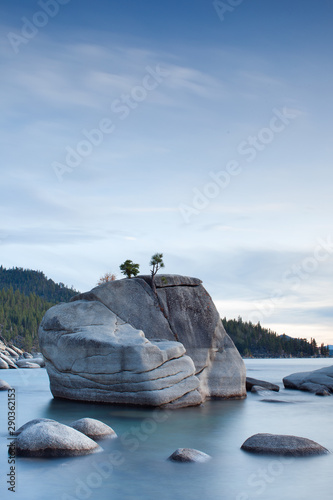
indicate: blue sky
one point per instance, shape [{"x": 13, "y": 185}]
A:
[{"x": 130, "y": 128}]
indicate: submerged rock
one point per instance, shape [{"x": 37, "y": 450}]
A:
[
  {"x": 122, "y": 343},
  {"x": 284, "y": 445},
  {"x": 319, "y": 382},
  {"x": 189, "y": 455},
  {"x": 51, "y": 439},
  {"x": 251, "y": 382},
  {"x": 94, "y": 429}
]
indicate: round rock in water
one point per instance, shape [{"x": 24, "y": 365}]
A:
[
  {"x": 51, "y": 439},
  {"x": 32, "y": 422},
  {"x": 279, "y": 444},
  {"x": 189, "y": 455},
  {"x": 94, "y": 429},
  {"x": 4, "y": 386}
]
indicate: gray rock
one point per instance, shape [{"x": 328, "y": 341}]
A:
[
  {"x": 92, "y": 355},
  {"x": 3, "y": 364},
  {"x": 95, "y": 429},
  {"x": 8, "y": 360},
  {"x": 16, "y": 349},
  {"x": 12, "y": 353},
  {"x": 250, "y": 382},
  {"x": 122, "y": 343},
  {"x": 31, "y": 423},
  {"x": 257, "y": 389},
  {"x": 4, "y": 386},
  {"x": 39, "y": 361},
  {"x": 189, "y": 455},
  {"x": 51, "y": 439},
  {"x": 318, "y": 381},
  {"x": 283, "y": 445},
  {"x": 22, "y": 363}
]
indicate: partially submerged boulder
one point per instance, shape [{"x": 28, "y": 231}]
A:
[
  {"x": 251, "y": 382},
  {"x": 94, "y": 429},
  {"x": 189, "y": 455},
  {"x": 319, "y": 382},
  {"x": 122, "y": 343},
  {"x": 283, "y": 445},
  {"x": 51, "y": 439}
]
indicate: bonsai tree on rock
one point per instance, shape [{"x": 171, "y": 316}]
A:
[
  {"x": 129, "y": 268},
  {"x": 157, "y": 262}
]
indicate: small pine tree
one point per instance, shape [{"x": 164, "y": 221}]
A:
[
  {"x": 157, "y": 262},
  {"x": 129, "y": 268}
]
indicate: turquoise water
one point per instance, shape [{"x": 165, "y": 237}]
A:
[{"x": 134, "y": 466}]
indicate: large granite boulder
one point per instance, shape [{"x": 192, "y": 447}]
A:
[
  {"x": 283, "y": 445},
  {"x": 122, "y": 343},
  {"x": 318, "y": 381}
]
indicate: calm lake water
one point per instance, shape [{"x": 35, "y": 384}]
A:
[{"x": 134, "y": 466}]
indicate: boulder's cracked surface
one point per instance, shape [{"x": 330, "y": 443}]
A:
[{"x": 122, "y": 343}]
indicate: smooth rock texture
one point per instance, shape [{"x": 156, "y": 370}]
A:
[
  {"x": 283, "y": 445},
  {"x": 189, "y": 455},
  {"x": 8, "y": 360},
  {"x": 318, "y": 381},
  {"x": 4, "y": 386},
  {"x": 27, "y": 363},
  {"x": 250, "y": 382},
  {"x": 3, "y": 364},
  {"x": 120, "y": 343},
  {"x": 51, "y": 439},
  {"x": 32, "y": 422},
  {"x": 94, "y": 429}
]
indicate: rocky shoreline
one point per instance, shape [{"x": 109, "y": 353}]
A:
[{"x": 13, "y": 357}]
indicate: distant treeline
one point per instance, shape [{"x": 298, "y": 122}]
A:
[
  {"x": 254, "y": 340},
  {"x": 28, "y": 281},
  {"x": 25, "y": 296}
]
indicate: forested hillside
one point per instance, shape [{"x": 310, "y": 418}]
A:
[
  {"x": 28, "y": 281},
  {"x": 25, "y": 296},
  {"x": 253, "y": 340},
  {"x": 20, "y": 316}
]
